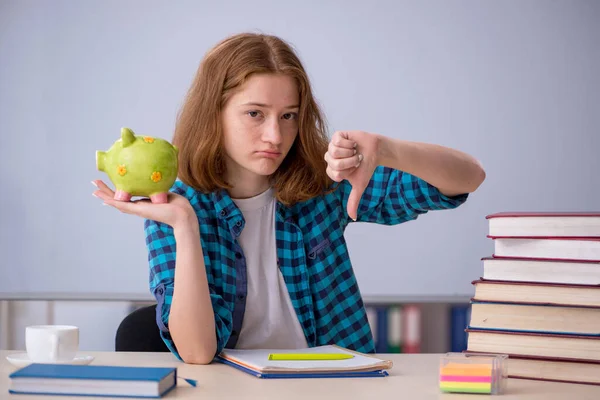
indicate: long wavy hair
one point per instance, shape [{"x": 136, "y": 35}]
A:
[{"x": 198, "y": 132}]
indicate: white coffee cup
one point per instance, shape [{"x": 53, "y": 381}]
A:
[{"x": 51, "y": 343}]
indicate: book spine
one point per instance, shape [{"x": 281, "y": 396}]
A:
[
  {"x": 411, "y": 323},
  {"x": 395, "y": 329},
  {"x": 459, "y": 320},
  {"x": 382, "y": 330}
]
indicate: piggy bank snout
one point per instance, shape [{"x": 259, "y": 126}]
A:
[{"x": 100, "y": 156}]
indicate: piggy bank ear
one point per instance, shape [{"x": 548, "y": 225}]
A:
[{"x": 127, "y": 136}]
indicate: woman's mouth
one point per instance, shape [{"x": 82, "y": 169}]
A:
[{"x": 268, "y": 154}]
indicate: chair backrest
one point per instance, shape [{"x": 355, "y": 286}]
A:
[{"x": 139, "y": 332}]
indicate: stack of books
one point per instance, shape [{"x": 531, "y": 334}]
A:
[{"x": 538, "y": 299}]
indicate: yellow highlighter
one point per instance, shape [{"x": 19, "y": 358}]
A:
[{"x": 308, "y": 356}]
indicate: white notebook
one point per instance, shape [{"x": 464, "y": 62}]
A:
[{"x": 257, "y": 362}]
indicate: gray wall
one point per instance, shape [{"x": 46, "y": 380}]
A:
[{"x": 515, "y": 83}]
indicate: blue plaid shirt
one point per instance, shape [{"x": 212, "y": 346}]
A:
[{"x": 311, "y": 254}]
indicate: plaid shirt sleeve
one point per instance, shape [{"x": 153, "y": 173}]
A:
[
  {"x": 160, "y": 242},
  {"x": 394, "y": 196}
]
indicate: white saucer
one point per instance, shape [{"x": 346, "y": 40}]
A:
[{"x": 22, "y": 360}]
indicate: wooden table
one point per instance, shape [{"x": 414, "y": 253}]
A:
[{"x": 414, "y": 377}]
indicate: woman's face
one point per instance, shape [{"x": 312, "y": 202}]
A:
[{"x": 260, "y": 124}]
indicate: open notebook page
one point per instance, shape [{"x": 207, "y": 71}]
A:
[{"x": 259, "y": 360}]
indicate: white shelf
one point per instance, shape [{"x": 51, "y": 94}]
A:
[
  {"x": 416, "y": 299},
  {"x": 139, "y": 297},
  {"x": 51, "y": 296}
]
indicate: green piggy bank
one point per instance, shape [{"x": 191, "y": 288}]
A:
[{"x": 140, "y": 166}]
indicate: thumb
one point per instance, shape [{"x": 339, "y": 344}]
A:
[{"x": 353, "y": 201}]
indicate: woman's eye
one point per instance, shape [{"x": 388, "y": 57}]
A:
[
  {"x": 253, "y": 114},
  {"x": 290, "y": 116}
]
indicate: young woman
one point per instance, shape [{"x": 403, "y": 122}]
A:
[{"x": 249, "y": 252}]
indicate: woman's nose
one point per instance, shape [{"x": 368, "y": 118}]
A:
[{"x": 272, "y": 133}]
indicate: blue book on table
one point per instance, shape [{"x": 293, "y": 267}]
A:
[{"x": 93, "y": 380}]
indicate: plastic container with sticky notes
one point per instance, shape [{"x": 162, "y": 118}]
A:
[{"x": 473, "y": 373}]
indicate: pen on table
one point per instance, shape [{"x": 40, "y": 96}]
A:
[{"x": 308, "y": 356}]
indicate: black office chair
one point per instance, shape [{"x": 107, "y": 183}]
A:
[{"x": 138, "y": 332}]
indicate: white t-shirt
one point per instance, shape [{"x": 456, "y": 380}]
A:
[{"x": 270, "y": 320}]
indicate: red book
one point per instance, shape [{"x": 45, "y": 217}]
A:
[
  {"x": 411, "y": 326},
  {"x": 575, "y": 224}
]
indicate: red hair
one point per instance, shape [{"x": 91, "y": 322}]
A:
[{"x": 198, "y": 133}]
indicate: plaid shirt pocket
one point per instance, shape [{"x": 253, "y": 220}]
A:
[{"x": 319, "y": 248}]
